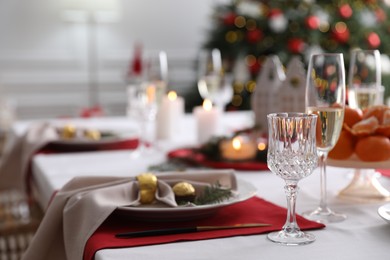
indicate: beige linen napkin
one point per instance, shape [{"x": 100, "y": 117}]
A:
[
  {"x": 82, "y": 205},
  {"x": 17, "y": 154}
]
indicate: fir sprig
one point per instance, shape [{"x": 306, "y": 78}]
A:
[{"x": 213, "y": 194}]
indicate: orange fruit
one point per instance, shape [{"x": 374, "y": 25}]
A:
[
  {"x": 352, "y": 116},
  {"x": 383, "y": 130},
  {"x": 366, "y": 126},
  {"x": 373, "y": 148},
  {"x": 344, "y": 147},
  {"x": 378, "y": 111}
]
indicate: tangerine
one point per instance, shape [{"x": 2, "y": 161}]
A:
[
  {"x": 378, "y": 111},
  {"x": 352, "y": 116},
  {"x": 344, "y": 147},
  {"x": 373, "y": 148}
]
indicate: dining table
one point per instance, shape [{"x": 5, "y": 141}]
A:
[{"x": 363, "y": 235}]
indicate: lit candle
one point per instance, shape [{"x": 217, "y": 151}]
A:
[
  {"x": 238, "y": 149},
  {"x": 207, "y": 119},
  {"x": 169, "y": 116}
]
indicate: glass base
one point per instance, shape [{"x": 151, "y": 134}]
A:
[
  {"x": 291, "y": 239},
  {"x": 365, "y": 187},
  {"x": 324, "y": 215}
]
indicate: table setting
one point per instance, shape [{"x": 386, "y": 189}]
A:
[
  {"x": 106, "y": 201},
  {"x": 258, "y": 203}
]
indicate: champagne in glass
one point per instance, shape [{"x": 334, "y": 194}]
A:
[
  {"x": 292, "y": 155},
  {"x": 325, "y": 97},
  {"x": 364, "y": 79}
]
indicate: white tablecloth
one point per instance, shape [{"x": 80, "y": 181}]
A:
[{"x": 364, "y": 235}]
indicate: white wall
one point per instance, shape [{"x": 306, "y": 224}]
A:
[{"x": 43, "y": 59}]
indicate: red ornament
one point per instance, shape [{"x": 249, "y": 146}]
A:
[
  {"x": 296, "y": 45},
  {"x": 373, "y": 40},
  {"x": 253, "y": 36},
  {"x": 380, "y": 15},
  {"x": 254, "y": 68},
  {"x": 341, "y": 35},
  {"x": 312, "y": 22},
  {"x": 229, "y": 18},
  {"x": 274, "y": 12},
  {"x": 345, "y": 11}
]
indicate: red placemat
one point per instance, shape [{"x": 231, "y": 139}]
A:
[
  {"x": 384, "y": 172},
  {"x": 193, "y": 157},
  {"x": 53, "y": 148},
  {"x": 254, "y": 210},
  {"x": 56, "y": 147}
]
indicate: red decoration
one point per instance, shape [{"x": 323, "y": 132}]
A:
[
  {"x": 373, "y": 40},
  {"x": 345, "y": 11},
  {"x": 255, "y": 68},
  {"x": 135, "y": 66},
  {"x": 296, "y": 45},
  {"x": 274, "y": 12},
  {"x": 95, "y": 111},
  {"x": 312, "y": 22},
  {"x": 341, "y": 36},
  {"x": 380, "y": 15},
  {"x": 229, "y": 18},
  {"x": 253, "y": 36}
]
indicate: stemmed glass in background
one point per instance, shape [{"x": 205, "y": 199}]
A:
[
  {"x": 213, "y": 81},
  {"x": 325, "y": 97},
  {"x": 292, "y": 155},
  {"x": 144, "y": 98},
  {"x": 364, "y": 79},
  {"x": 365, "y": 90}
]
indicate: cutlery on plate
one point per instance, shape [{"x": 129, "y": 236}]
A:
[{"x": 170, "y": 231}]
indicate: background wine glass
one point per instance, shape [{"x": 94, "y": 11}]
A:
[
  {"x": 325, "y": 96},
  {"x": 213, "y": 81},
  {"x": 365, "y": 90},
  {"x": 143, "y": 107},
  {"x": 292, "y": 155},
  {"x": 144, "y": 99},
  {"x": 364, "y": 79}
]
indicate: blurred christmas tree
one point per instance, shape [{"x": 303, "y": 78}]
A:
[{"x": 254, "y": 29}]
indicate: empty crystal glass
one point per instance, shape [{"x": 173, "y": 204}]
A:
[{"x": 292, "y": 155}]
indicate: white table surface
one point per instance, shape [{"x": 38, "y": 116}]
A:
[{"x": 364, "y": 235}]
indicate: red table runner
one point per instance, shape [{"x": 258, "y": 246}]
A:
[
  {"x": 193, "y": 157},
  {"x": 254, "y": 210}
]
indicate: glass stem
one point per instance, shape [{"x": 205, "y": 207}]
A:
[
  {"x": 291, "y": 190},
  {"x": 322, "y": 164},
  {"x": 143, "y": 135}
]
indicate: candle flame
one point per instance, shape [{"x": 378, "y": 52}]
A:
[
  {"x": 207, "y": 105},
  {"x": 150, "y": 94},
  {"x": 172, "y": 95},
  {"x": 261, "y": 146},
  {"x": 236, "y": 143}
]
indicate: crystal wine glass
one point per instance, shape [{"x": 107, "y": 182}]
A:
[
  {"x": 325, "y": 96},
  {"x": 292, "y": 155},
  {"x": 213, "y": 82}
]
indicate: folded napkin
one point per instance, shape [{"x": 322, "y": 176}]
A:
[
  {"x": 17, "y": 155},
  {"x": 39, "y": 138},
  {"x": 254, "y": 210},
  {"x": 84, "y": 203}
]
